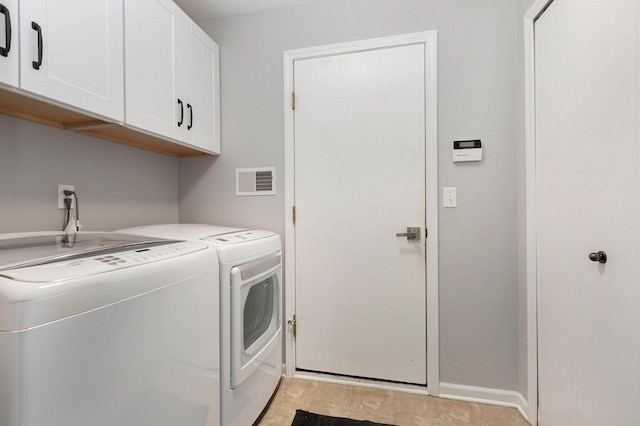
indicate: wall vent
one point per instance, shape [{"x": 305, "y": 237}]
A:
[{"x": 256, "y": 181}]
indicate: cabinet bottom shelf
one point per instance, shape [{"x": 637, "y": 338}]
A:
[{"x": 19, "y": 105}]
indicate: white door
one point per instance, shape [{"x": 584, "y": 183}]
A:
[
  {"x": 9, "y": 42},
  {"x": 71, "y": 51},
  {"x": 587, "y": 201},
  {"x": 359, "y": 180}
]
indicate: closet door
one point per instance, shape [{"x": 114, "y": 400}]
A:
[{"x": 587, "y": 206}]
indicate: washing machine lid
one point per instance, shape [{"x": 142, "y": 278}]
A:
[
  {"x": 184, "y": 231},
  {"x": 31, "y": 249},
  {"x": 48, "y": 277}
]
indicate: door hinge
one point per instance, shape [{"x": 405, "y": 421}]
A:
[
  {"x": 294, "y": 214},
  {"x": 293, "y": 324},
  {"x": 293, "y": 100}
]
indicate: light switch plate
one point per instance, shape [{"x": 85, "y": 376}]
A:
[{"x": 449, "y": 199}]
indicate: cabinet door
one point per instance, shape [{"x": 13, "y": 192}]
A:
[
  {"x": 71, "y": 52},
  {"x": 9, "y": 42},
  {"x": 198, "y": 72},
  {"x": 150, "y": 52}
]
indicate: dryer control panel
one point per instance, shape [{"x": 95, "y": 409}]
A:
[{"x": 239, "y": 237}]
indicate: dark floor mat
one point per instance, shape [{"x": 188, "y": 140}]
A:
[{"x": 305, "y": 418}]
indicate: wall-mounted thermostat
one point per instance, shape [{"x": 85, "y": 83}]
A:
[{"x": 467, "y": 150}]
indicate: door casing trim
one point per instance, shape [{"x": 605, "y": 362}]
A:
[
  {"x": 429, "y": 40},
  {"x": 530, "y": 18}
]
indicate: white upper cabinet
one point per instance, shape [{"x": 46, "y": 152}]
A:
[
  {"x": 149, "y": 57},
  {"x": 71, "y": 52},
  {"x": 9, "y": 64},
  {"x": 64, "y": 63},
  {"x": 198, "y": 84},
  {"x": 171, "y": 69}
]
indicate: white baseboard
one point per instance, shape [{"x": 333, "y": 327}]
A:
[
  {"x": 485, "y": 396},
  {"x": 367, "y": 383}
]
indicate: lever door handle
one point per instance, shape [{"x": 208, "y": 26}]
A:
[
  {"x": 598, "y": 257},
  {"x": 413, "y": 233}
]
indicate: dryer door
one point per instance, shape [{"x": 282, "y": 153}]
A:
[{"x": 255, "y": 314}]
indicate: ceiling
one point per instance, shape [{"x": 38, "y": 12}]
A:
[{"x": 205, "y": 9}]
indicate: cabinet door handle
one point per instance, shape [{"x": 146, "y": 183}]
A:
[
  {"x": 4, "y": 51},
  {"x": 181, "y": 112},
  {"x": 191, "y": 117},
  {"x": 36, "y": 64}
]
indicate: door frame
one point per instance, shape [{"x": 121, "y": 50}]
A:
[
  {"x": 530, "y": 17},
  {"x": 429, "y": 40}
]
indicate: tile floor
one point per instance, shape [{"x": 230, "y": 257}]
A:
[{"x": 383, "y": 406}]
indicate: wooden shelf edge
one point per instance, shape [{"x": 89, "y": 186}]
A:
[{"x": 137, "y": 139}]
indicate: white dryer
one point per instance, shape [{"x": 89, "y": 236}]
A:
[
  {"x": 104, "y": 329},
  {"x": 250, "y": 313}
]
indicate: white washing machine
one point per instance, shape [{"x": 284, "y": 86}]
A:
[
  {"x": 250, "y": 313},
  {"x": 104, "y": 329}
]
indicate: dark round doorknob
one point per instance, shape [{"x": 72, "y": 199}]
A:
[{"x": 598, "y": 257}]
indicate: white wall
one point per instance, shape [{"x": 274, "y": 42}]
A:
[
  {"x": 477, "y": 87},
  {"x": 117, "y": 185}
]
